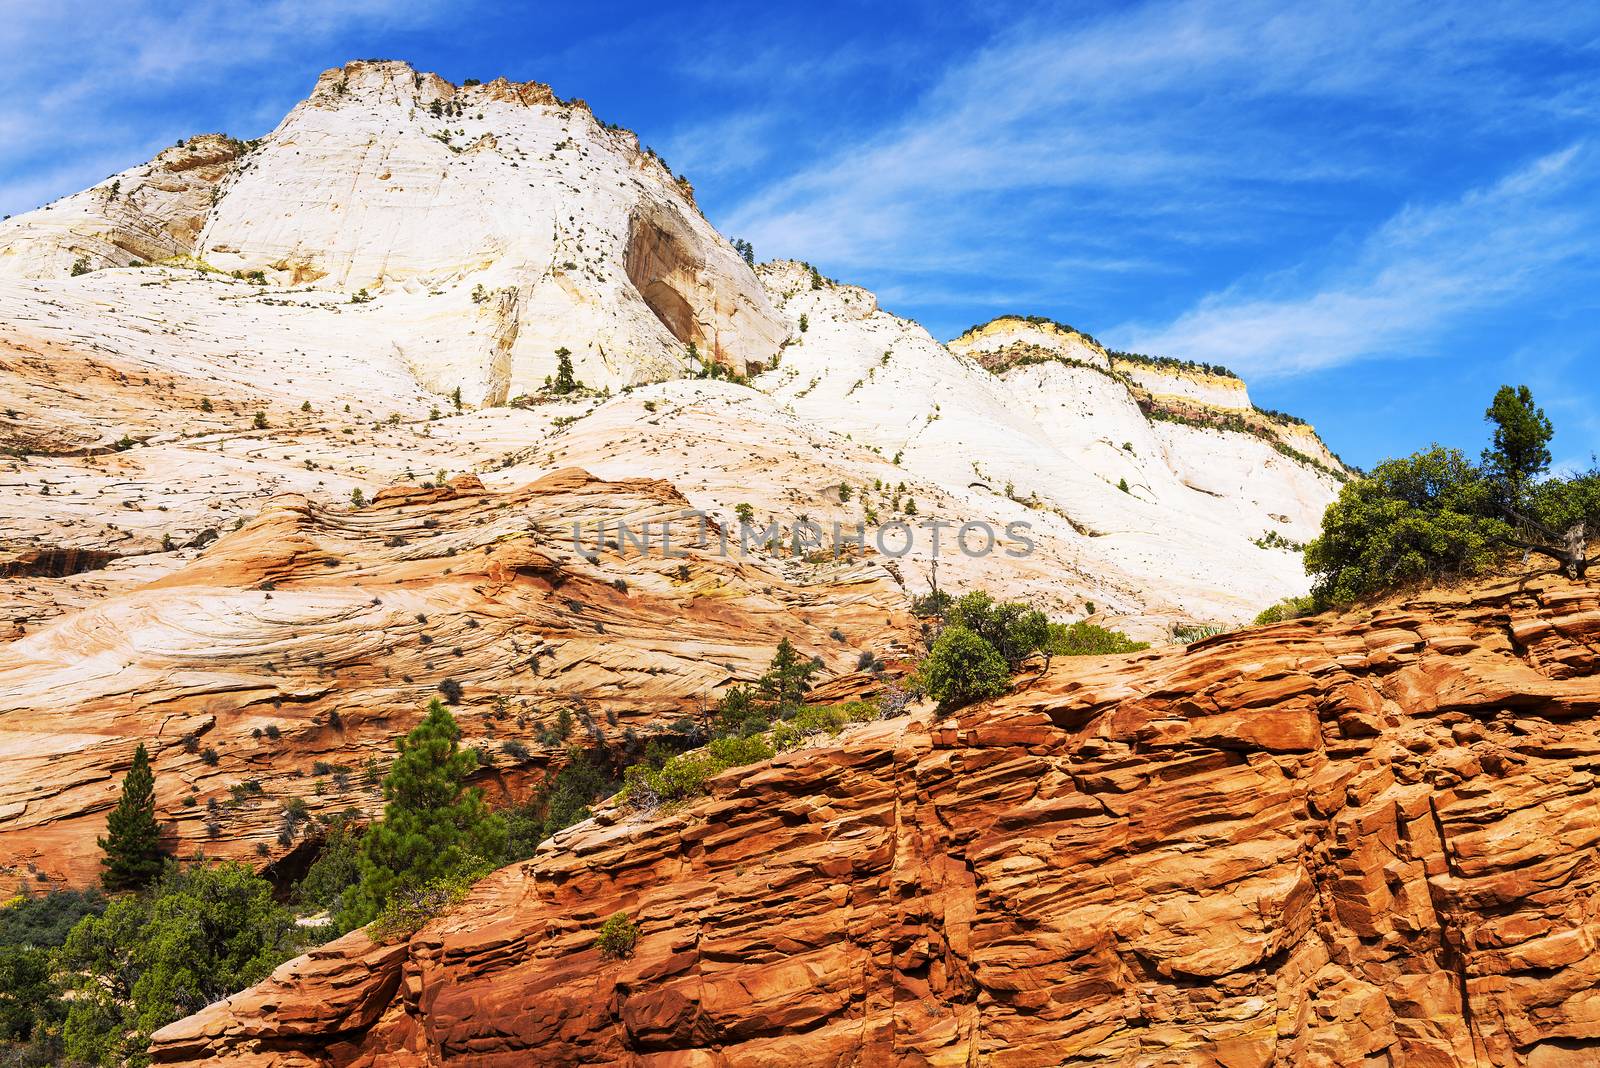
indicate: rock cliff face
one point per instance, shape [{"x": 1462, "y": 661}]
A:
[
  {"x": 1030, "y": 421},
  {"x": 205, "y": 358},
  {"x": 144, "y": 215},
  {"x": 511, "y": 222},
  {"x": 287, "y": 655},
  {"x": 1367, "y": 840},
  {"x": 380, "y": 275}
]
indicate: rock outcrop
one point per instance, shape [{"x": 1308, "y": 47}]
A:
[
  {"x": 1365, "y": 840},
  {"x": 281, "y": 662},
  {"x": 1191, "y": 503},
  {"x": 383, "y": 284},
  {"x": 149, "y": 214}
]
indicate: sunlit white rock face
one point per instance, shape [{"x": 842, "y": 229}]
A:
[
  {"x": 398, "y": 239},
  {"x": 492, "y": 224},
  {"x": 1036, "y": 420}
]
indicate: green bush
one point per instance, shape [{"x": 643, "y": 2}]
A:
[
  {"x": 617, "y": 936},
  {"x": 200, "y": 934},
  {"x": 685, "y": 775},
  {"x": 1011, "y": 628},
  {"x": 411, "y": 907},
  {"x": 1435, "y": 515},
  {"x": 808, "y": 722},
  {"x": 1418, "y": 519},
  {"x": 1087, "y": 639},
  {"x": 962, "y": 668},
  {"x": 32, "y": 1010},
  {"x": 45, "y": 920},
  {"x": 564, "y": 799},
  {"x": 1288, "y": 608},
  {"x": 336, "y": 869}
]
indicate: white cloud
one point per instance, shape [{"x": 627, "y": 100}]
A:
[
  {"x": 87, "y": 78},
  {"x": 1424, "y": 268},
  {"x": 1169, "y": 125}
]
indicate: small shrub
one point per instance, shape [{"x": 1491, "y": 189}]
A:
[
  {"x": 962, "y": 668},
  {"x": 1188, "y": 633},
  {"x": 451, "y": 690},
  {"x": 411, "y": 907},
  {"x": 685, "y": 775},
  {"x": 617, "y": 936},
  {"x": 260, "y": 421},
  {"x": 1288, "y": 608},
  {"x": 809, "y": 722},
  {"x": 1087, "y": 639}
]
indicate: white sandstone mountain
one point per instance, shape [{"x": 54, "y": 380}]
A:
[
  {"x": 398, "y": 238},
  {"x": 490, "y": 225}
]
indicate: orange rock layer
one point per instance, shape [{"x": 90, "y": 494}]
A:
[
  {"x": 1368, "y": 840},
  {"x": 293, "y": 651}
]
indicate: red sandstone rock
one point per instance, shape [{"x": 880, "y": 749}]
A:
[
  {"x": 334, "y": 627},
  {"x": 1368, "y": 840}
]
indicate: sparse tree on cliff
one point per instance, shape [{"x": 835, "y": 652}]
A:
[
  {"x": 1521, "y": 449},
  {"x": 788, "y": 678},
  {"x": 132, "y": 842},
  {"x": 1436, "y": 515},
  {"x": 434, "y": 827},
  {"x": 565, "y": 381}
]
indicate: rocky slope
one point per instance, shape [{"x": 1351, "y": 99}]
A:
[
  {"x": 1033, "y": 423},
  {"x": 397, "y": 239},
  {"x": 282, "y": 661},
  {"x": 1366, "y": 840},
  {"x": 203, "y": 359}
]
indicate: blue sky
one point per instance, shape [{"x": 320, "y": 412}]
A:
[{"x": 1376, "y": 212}]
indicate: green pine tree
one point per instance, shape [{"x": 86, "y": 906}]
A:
[
  {"x": 132, "y": 842},
  {"x": 787, "y": 679},
  {"x": 565, "y": 381},
  {"x": 433, "y": 826},
  {"x": 1521, "y": 450}
]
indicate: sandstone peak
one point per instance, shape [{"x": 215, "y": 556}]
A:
[{"x": 513, "y": 221}]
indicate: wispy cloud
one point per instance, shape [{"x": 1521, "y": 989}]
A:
[
  {"x": 1175, "y": 127},
  {"x": 96, "y": 87},
  {"x": 1425, "y": 267}
]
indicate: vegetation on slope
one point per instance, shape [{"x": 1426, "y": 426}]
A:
[
  {"x": 85, "y": 980},
  {"x": 1436, "y": 515}
]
